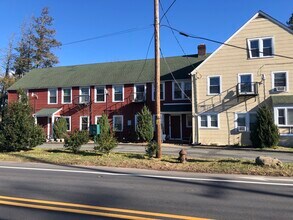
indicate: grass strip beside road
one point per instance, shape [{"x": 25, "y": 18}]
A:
[
  {"x": 88, "y": 209},
  {"x": 133, "y": 160}
]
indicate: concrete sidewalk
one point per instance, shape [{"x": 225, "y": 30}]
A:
[{"x": 193, "y": 151}]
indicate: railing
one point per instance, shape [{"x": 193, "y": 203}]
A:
[
  {"x": 247, "y": 89},
  {"x": 81, "y": 99}
]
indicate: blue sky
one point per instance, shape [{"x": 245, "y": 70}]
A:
[{"x": 81, "y": 19}]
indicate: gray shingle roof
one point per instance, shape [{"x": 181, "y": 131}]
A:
[
  {"x": 282, "y": 99},
  {"x": 107, "y": 73}
]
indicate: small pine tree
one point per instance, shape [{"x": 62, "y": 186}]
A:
[
  {"x": 18, "y": 129},
  {"x": 106, "y": 141},
  {"x": 145, "y": 129},
  {"x": 75, "y": 140},
  {"x": 60, "y": 128},
  {"x": 265, "y": 133}
]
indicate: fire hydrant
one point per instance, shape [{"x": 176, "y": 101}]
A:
[{"x": 182, "y": 156}]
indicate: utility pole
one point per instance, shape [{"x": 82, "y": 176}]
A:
[{"x": 157, "y": 79}]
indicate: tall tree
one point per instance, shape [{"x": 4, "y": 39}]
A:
[
  {"x": 23, "y": 61},
  {"x": 290, "y": 22},
  {"x": 8, "y": 57},
  {"x": 44, "y": 41}
]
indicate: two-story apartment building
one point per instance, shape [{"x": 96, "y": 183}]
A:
[
  {"x": 252, "y": 68},
  {"x": 82, "y": 93}
]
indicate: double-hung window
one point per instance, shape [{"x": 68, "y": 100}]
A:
[
  {"x": 260, "y": 47},
  {"x": 118, "y": 123},
  {"x": 209, "y": 120},
  {"x": 68, "y": 122},
  {"x": 284, "y": 116},
  {"x": 52, "y": 96},
  {"x": 84, "y": 123},
  {"x": 181, "y": 90},
  {"x": 162, "y": 91},
  {"x": 100, "y": 94},
  {"x": 214, "y": 85},
  {"x": 84, "y": 94},
  {"x": 245, "y": 121},
  {"x": 139, "y": 92},
  {"x": 66, "y": 95},
  {"x": 118, "y": 91},
  {"x": 280, "y": 81}
]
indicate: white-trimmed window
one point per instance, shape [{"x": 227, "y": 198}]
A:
[
  {"x": 84, "y": 123},
  {"x": 214, "y": 85},
  {"x": 261, "y": 47},
  {"x": 181, "y": 90},
  {"x": 84, "y": 94},
  {"x": 245, "y": 83},
  {"x": 284, "y": 116},
  {"x": 118, "y": 123},
  {"x": 209, "y": 120},
  {"x": 139, "y": 92},
  {"x": 280, "y": 81},
  {"x": 135, "y": 121},
  {"x": 245, "y": 121},
  {"x": 52, "y": 96},
  {"x": 100, "y": 94},
  {"x": 118, "y": 93},
  {"x": 68, "y": 121},
  {"x": 66, "y": 95},
  {"x": 162, "y": 91},
  {"x": 97, "y": 118},
  {"x": 188, "y": 121}
]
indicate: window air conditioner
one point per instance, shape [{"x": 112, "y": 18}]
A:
[
  {"x": 241, "y": 128},
  {"x": 280, "y": 89}
]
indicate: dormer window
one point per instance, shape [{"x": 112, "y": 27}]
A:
[{"x": 260, "y": 47}]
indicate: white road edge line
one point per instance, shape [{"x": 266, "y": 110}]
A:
[{"x": 149, "y": 176}]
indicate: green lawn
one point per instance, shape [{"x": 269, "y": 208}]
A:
[{"x": 130, "y": 160}]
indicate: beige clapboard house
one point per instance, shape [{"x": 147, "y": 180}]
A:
[{"x": 253, "y": 67}]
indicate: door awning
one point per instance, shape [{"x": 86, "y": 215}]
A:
[
  {"x": 47, "y": 112},
  {"x": 282, "y": 99}
]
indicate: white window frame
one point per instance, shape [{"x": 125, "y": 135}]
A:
[
  {"x": 80, "y": 122},
  {"x": 105, "y": 96},
  {"x": 260, "y": 44},
  {"x": 208, "y": 84},
  {"x": 209, "y": 120},
  {"x": 84, "y": 87},
  {"x": 239, "y": 81},
  {"x": 113, "y": 93},
  {"x": 247, "y": 120},
  {"x": 273, "y": 79},
  {"x": 113, "y": 122},
  {"x": 69, "y": 121},
  {"x": 134, "y": 90},
  {"x": 186, "y": 124},
  {"x": 62, "y": 98},
  {"x": 182, "y": 86},
  {"x": 276, "y": 116},
  {"x": 153, "y": 91},
  {"x": 96, "y": 118},
  {"x": 49, "y": 92}
]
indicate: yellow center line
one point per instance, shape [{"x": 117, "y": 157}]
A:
[
  {"x": 51, "y": 208},
  {"x": 128, "y": 211}
]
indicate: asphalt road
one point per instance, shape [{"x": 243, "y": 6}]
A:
[
  {"x": 130, "y": 190},
  {"x": 194, "y": 151}
]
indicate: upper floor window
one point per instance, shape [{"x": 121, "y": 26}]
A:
[
  {"x": 84, "y": 94},
  {"x": 260, "y": 47},
  {"x": 162, "y": 91},
  {"x": 118, "y": 95},
  {"x": 280, "y": 81},
  {"x": 66, "y": 95},
  {"x": 181, "y": 90},
  {"x": 214, "y": 85},
  {"x": 139, "y": 92},
  {"x": 52, "y": 96},
  {"x": 100, "y": 94}
]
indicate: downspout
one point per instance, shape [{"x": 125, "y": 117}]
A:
[{"x": 194, "y": 110}]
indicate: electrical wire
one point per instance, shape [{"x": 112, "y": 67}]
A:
[
  {"x": 218, "y": 42},
  {"x": 165, "y": 13}
]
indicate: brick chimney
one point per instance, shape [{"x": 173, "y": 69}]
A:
[{"x": 201, "y": 50}]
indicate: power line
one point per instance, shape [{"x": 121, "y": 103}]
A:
[
  {"x": 218, "y": 42},
  {"x": 165, "y": 13},
  {"x": 109, "y": 35}
]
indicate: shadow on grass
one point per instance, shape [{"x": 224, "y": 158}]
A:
[
  {"x": 229, "y": 161},
  {"x": 82, "y": 153},
  {"x": 135, "y": 156}
]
